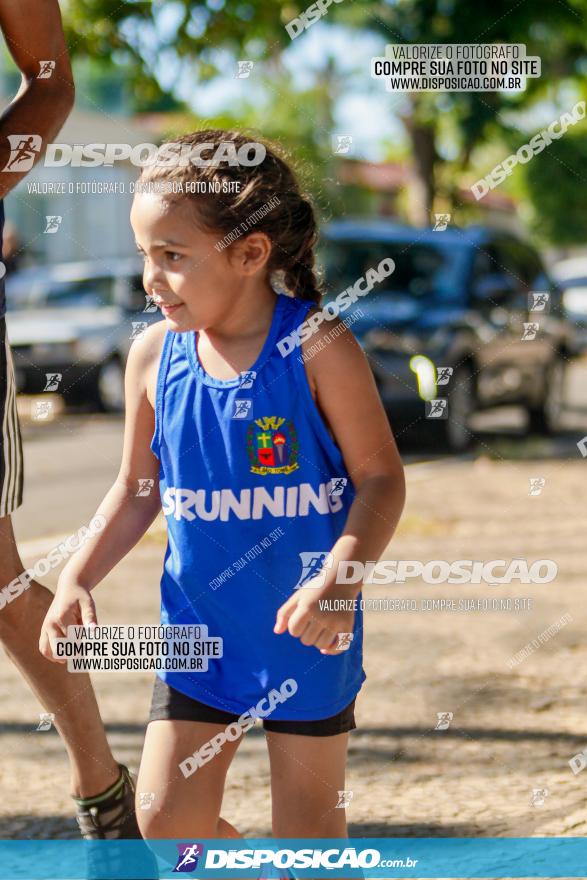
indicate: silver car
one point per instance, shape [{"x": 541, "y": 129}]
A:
[{"x": 71, "y": 325}]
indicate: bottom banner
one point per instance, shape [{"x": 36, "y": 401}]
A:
[{"x": 288, "y": 859}]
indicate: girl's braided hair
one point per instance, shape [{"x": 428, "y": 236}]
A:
[{"x": 268, "y": 200}]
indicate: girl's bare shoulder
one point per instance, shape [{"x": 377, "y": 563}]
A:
[{"x": 143, "y": 359}]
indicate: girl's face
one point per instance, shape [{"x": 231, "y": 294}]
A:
[{"x": 192, "y": 282}]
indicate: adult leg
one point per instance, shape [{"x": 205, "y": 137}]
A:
[{"x": 69, "y": 696}]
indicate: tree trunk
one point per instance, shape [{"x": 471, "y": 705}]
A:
[{"x": 423, "y": 185}]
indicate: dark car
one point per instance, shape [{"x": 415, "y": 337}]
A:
[
  {"x": 474, "y": 301},
  {"x": 71, "y": 325}
]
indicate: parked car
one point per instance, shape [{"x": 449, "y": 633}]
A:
[
  {"x": 457, "y": 299},
  {"x": 571, "y": 276},
  {"x": 74, "y": 322}
]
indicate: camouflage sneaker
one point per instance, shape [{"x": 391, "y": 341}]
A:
[{"x": 110, "y": 815}]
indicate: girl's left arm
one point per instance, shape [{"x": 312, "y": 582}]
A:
[{"x": 345, "y": 392}]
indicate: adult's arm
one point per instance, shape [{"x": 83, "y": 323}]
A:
[{"x": 34, "y": 33}]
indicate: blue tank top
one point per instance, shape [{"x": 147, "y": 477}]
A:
[{"x": 255, "y": 492}]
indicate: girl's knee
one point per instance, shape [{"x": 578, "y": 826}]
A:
[
  {"x": 309, "y": 816},
  {"x": 153, "y": 823},
  {"x": 162, "y": 822}
]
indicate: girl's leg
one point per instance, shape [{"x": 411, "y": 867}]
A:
[
  {"x": 307, "y": 772},
  {"x": 183, "y": 807}
]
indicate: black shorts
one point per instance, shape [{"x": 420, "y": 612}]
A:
[
  {"x": 171, "y": 705},
  {"x": 11, "y": 469}
]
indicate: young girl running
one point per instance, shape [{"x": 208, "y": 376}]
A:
[{"x": 275, "y": 463}]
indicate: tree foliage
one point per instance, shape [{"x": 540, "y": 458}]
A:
[
  {"x": 556, "y": 187},
  {"x": 142, "y": 35}
]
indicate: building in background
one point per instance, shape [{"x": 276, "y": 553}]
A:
[{"x": 92, "y": 226}]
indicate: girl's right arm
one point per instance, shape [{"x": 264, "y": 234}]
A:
[{"x": 128, "y": 514}]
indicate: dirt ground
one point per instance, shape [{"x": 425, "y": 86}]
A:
[{"x": 513, "y": 730}]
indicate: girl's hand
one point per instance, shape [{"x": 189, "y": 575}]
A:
[
  {"x": 303, "y": 618},
  {"x": 72, "y": 606}
]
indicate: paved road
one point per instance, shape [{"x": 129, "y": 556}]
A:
[
  {"x": 72, "y": 459},
  {"x": 70, "y": 462}
]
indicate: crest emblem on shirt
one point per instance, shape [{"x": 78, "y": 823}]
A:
[{"x": 272, "y": 446}]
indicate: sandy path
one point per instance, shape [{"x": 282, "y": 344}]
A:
[{"x": 512, "y": 730}]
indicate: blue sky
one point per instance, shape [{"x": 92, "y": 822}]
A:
[{"x": 365, "y": 111}]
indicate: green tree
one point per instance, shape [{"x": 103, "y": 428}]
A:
[
  {"x": 556, "y": 187},
  {"x": 554, "y": 31},
  {"x": 443, "y": 130}
]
